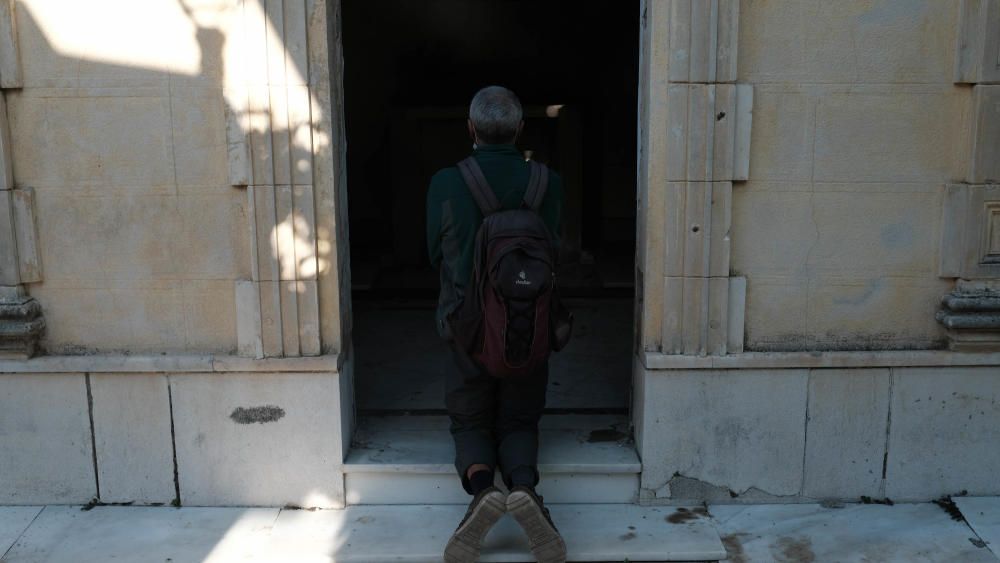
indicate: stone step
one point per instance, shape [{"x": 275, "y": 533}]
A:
[
  {"x": 409, "y": 460},
  {"x": 593, "y": 532}
]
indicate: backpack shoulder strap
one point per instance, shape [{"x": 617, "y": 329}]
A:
[
  {"x": 538, "y": 182},
  {"x": 480, "y": 188}
]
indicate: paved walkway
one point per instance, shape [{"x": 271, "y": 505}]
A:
[{"x": 968, "y": 532}]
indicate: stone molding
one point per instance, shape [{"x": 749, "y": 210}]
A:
[
  {"x": 21, "y": 325},
  {"x": 695, "y": 126},
  {"x": 223, "y": 363},
  {"x": 977, "y": 59},
  {"x": 270, "y": 154},
  {"x": 799, "y": 360},
  {"x": 971, "y": 314},
  {"x": 207, "y": 363}
]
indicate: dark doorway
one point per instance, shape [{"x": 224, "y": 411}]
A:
[{"x": 411, "y": 67}]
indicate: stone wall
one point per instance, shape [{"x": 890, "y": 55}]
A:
[
  {"x": 147, "y": 233},
  {"x": 163, "y": 176},
  {"x": 803, "y": 434},
  {"x": 858, "y": 128},
  {"x": 197, "y": 431}
]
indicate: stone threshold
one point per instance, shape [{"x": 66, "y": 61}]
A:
[
  {"x": 791, "y": 360},
  {"x": 422, "y": 444},
  {"x": 170, "y": 363}
]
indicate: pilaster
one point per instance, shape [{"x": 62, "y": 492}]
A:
[
  {"x": 21, "y": 320},
  {"x": 696, "y": 145},
  {"x": 270, "y": 140},
  {"x": 970, "y": 233}
]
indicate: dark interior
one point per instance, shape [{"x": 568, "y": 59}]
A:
[{"x": 411, "y": 67}]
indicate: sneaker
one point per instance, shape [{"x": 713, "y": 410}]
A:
[
  {"x": 485, "y": 509},
  {"x": 543, "y": 537}
]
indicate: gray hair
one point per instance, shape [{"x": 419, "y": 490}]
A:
[{"x": 496, "y": 114}]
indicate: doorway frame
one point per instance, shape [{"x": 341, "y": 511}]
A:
[{"x": 337, "y": 316}]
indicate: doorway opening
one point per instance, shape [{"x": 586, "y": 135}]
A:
[{"x": 410, "y": 70}]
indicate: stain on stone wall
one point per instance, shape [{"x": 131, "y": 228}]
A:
[{"x": 259, "y": 415}]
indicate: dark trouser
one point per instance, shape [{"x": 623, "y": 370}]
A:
[{"x": 493, "y": 419}]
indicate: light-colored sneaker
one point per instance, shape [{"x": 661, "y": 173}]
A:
[
  {"x": 484, "y": 511},
  {"x": 544, "y": 539}
]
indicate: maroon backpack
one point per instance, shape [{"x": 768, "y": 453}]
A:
[{"x": 511, "y": 316}]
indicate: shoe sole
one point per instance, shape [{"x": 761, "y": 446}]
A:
[
  {"x": 465, "y": 543},
  {"x": 546, "y": 543}
]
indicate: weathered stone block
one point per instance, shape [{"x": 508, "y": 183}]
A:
[
  {"x": 735, "y": 430},
  {"x": 846, "y": 433},
  {"x": 784, "y": 126},
  {"x": 91, "y": 141},
  {"x": 703, "y": 40},
  {"x": 901, "y": 137},
  {"x": 45, "y": 445},
  {"x": 763, "y": 245},
  {"x": 261, "y": 141},
  {"x": 867, "y": 231},
  {"x": 699, "y": 217},
  {"x": 984, "y": 137},
  {"x": 29, "y": 260},
  {"x": 874, "y": 313},
  {"x": 300, "y": 128},
  {"x": 978, "y": 56},
  {"x": 271, "y": 320},
  {"x": 736, "y": 321},
  {"x": 198, "y": 124},
  {"x": 848, "y": 41},
  {"x": 262, "y": 213},
  {"x": 258, "y": 439},
  {"x": 295, "y": 232},
  {"x": 945, "y": 433},
  {"x": 6, "y": 160},
  {"x": 776, "y": 317},
  {"x": 705, "y": 126},
  {"x": 87, "y": 316},
  {"x": 9, "y": 272},
  {"x": 10, "y": 52},
  {"x": 124, "y": 235},
  {"x": 45, "y": 67},
  {"x": 212, "y": 241},
  {"x": 209, "y": 316},
  {"x": 248, "y": 328},
  {"x": 237, "y": 111},
  {"x": 132, "y": 437}
]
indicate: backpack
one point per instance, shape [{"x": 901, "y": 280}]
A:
[{"x": 511, "y": 316}]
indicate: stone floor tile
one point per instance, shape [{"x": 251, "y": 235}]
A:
[
  {"x": 983, "y": 514},
  {"x": 13, "y": 521},
  {"x": 856, "y": 533},
  {"x": 419, "y": 533},
  {"x": 67, "y": 534}
]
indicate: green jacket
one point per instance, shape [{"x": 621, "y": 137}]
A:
[{"x": 453, "y": 216}]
